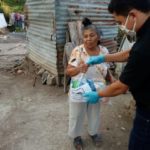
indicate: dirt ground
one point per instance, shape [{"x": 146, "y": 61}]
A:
[{"x": 36, "y": 118}]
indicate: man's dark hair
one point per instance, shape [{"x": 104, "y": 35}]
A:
[{"x": 122, "y": 7}]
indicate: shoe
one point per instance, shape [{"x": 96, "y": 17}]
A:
[
  {"x": 78, "y": 144},
  {"x": 97, "y": 140}
]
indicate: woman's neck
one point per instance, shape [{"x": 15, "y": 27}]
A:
[{"x": 93, "y": 50}]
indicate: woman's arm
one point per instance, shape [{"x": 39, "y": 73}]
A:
[{"x": 72, "y": 71}]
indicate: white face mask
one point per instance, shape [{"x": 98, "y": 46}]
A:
[{"x": 130, "y": 33}]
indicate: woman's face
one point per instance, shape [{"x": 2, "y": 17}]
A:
[{"x": 90, "y": 38}]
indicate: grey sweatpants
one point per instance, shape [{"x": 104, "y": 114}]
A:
[{"x": 77, "y": 113}]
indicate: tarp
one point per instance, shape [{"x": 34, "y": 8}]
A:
[
  {"x": 3, "y": 23},
  {"x": 125, "y": 45}
]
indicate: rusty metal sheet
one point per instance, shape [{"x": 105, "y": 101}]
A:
[{"x": 48, "y": 23}]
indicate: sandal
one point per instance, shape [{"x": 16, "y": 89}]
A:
[
  {"x": 97, "y": 140},
  {"x": 78, "y": 144}
]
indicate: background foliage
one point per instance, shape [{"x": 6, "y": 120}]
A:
[{"x": 8, "y": 6}]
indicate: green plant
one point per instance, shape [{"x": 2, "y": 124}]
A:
[{"x": 9, "y": 6}]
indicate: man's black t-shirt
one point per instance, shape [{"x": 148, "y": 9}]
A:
[{"x": 136, "y": 73}]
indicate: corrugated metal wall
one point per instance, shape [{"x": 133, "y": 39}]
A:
[
  {"x": 48, "y": 20},
  {"x": 41, "y": 33},
  {"x": 73, "y": 10}
]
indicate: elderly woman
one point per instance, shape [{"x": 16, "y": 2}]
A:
[{"x": 79, "y": 71}]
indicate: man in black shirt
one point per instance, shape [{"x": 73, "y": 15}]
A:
[{"x": 134, "y": 18}]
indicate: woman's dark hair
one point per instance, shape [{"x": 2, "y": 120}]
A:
[
  {"x": 87, "y": 24},
  {"x": 122, "y": 7}
]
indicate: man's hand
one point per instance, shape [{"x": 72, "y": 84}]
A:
[
  {"x": 91, "y": 97},
  {"x": 96, "y": 60}
]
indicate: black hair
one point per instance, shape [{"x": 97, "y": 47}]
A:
[
  {"x": 86, "y": 22},
  {"x": 122, "y": 7}
]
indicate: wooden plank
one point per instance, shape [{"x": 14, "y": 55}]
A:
[
  {"x": 79, "y": 30},
  {"x": 67, "y": 52},
  {"x": 73, "y": 32}
]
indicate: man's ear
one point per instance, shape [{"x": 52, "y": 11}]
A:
[{"x": 133, "y": 13}]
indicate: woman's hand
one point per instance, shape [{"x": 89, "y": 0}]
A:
[
  {"x": 72, "y": 71},
  {"x": 83, "y": 67}
]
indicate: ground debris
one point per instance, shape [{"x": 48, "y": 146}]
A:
[
  {"x": 129, "y": 108},
  {"x": 123, "y": 128}
]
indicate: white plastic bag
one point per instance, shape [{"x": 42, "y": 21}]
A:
[
  {"x": 81, "y": 85},
  {"x": 126, "y": 45}
]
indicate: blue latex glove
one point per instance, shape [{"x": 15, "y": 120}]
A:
[
  {"x": 91, "y": 97},
  {"x": 96, "y": 60}
]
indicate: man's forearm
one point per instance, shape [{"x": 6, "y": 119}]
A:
[
  {"x": 117, "y": 57},
  {"x": 114, "y": 89}
]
